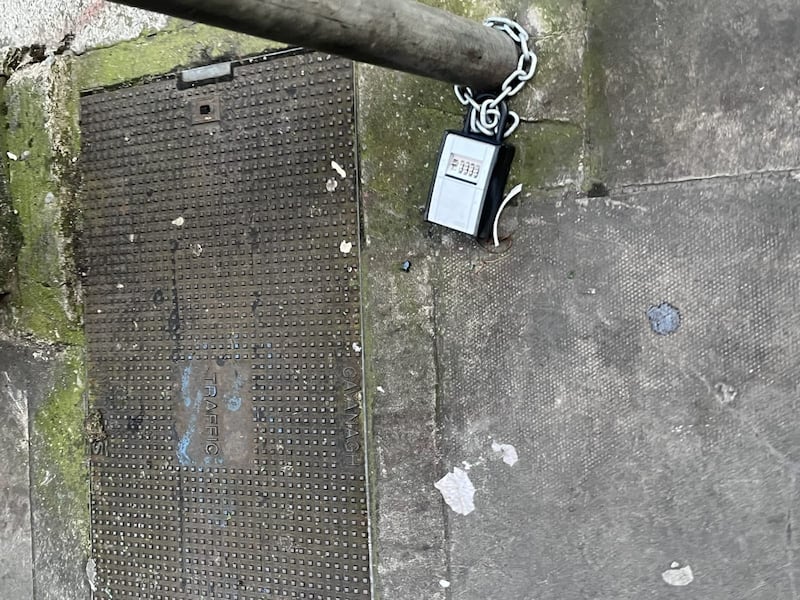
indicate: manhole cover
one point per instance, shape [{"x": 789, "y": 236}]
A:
[{"x": 223, "y": 324}]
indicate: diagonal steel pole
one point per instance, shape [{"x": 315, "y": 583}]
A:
[{"x": 399, "y": 34}]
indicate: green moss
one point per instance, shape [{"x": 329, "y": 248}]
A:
[
  {"x": 402, "y": 119},
  {"x": 67, "y": 143},
  {"x": 68, "y": 133},
  {"x": 41, "y": 304},
  {"x": 58, "y": 435},
  {"x": 600, "y": 134},
  {"x": 10, "y": 234},
  {"x": 178, "y": 47},
  {"x": 10, "y": 238},
  {"x": 548, "y": 155}
]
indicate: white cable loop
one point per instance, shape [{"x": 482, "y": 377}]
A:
[
  {"x": 511, "y": 195},
  {"x": 484, "y": 117}
]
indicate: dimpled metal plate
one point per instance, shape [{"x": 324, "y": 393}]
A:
[{"x": 223, "y": 324}]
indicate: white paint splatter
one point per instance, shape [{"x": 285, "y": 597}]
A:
[
  {"x": 444, "y": 583},
  {"x": 458, "y": 491},
  {"x": 510, "y": 456},
  {"x": 91, "y": 574},
  {"x": 381, "y": 390},
  {"x": 179, "y": 222},
  {"x": 345, "y": 247},
  {"x": 11, "y": 156},
  {"x": 331, "y": 185},
  {"x": 678, "y": 576},
  {"x": 120, "y": 286},
  {"x": 338, "y": 168},
  {"x": 131, "y": 237},
  {"x": 725, "y": 393}
]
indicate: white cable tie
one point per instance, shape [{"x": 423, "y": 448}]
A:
[{"x": 511, "y": 195}]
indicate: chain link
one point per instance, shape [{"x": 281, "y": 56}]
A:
[{"x": 484, "y": 116}]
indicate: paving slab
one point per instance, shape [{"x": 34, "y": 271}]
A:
[
  {"x": 693, "y": 88},
  {"x": 92, "y": 23},
  {"x": 40, "y": 550},
  {"x": 640, "y": 354},
  {"x": 17, "y": 374}
]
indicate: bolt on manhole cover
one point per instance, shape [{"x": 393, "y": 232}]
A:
[{"x": 223, "y": 325}]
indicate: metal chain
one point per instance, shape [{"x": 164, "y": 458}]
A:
[{"x": 484, "y": 116}]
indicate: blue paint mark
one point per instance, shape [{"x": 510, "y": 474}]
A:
[
  {"x": 233, "y": 401},
  {"x": 664, "y": 318},
  {"x": 183, "y": 446},
  {"x": 186, "y": 439},
  {"x": 185, "y": 381}
]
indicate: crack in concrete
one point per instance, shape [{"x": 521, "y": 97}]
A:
[
  {"x": 438, "y": 434},
  {"x": 789, "y": 546},
  {"x": 548, "y": 121},
  {"x": 784, "y": 460},
  {"x": 638, "y": 187},
  {"x": 554, "y": 35}
]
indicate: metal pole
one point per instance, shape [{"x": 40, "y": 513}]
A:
[{"x": 399, "y": 34}]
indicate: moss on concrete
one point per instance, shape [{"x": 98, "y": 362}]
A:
[
  {"x": 61, "y": 479},
  {"x": 401, "y": 121},
  {"x": 41, "y": 303},
  {"x": 10, "y": 238},
  {"x": 600, "y": 134},
  {"x": 178, "y": 47},
  {"x": 67, "y": 134},
  {"x": 548, "y": 155},
  {"x": 10, "y": 234},
  {"x": 40, "y": 126}
]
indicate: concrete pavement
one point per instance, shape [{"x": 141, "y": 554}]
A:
[
  {"x": 645, "y": 460},
  {"x": 92, "y": 23},
  {"x": 661, "y": 166}
]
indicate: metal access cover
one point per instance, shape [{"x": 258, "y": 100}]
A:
[{"x": 221, "y": 277}]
